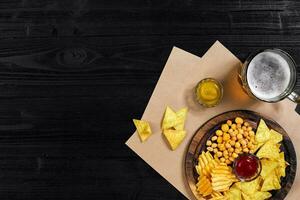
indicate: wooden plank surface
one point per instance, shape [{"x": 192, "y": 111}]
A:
[{"x": 74, "y": 73}]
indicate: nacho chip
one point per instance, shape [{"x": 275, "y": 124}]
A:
[
  {"x": 267, "y": 167},
  {"x": 258, "y": 195},
  {"x": 234, "y": 193},
  {"x": 275, "y": 136},
  {"x": 143, "y": 129},
  {"x": 180, "y": 119},
  {"x": 280, "y": 171},
  {"x": 272, "y": 182},
  {"x": 170, "y": 119},
  {"x": 174, "y": 137},
  {"x": 257, "y": 146},
  {"x": 250, "y": 187},
  {"x": 268, "y": 150},
  {"x": 246, "y": 197},
  {"x": 262, "y": 133}
]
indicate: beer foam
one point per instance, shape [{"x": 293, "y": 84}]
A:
[{"x": 268, "y": 75}]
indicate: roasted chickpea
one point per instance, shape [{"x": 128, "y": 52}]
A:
[
  {"x": 225, "y": 127},
  {"x": 228, "y": 162},
  {"x": 220, "y": 139},
  {"x": 229, "y": 122},
  {"x": 232, "y": 143},
  {"x": 246, "y": 150},
  {"x": 231, "y": 149},
  {"x": 219, "y": 132},
  {"x": 219, "y": 154},
  {"x": 251, "y": 133},
  {"x": 208, "y": 143},
  {"x": 238, "y": 120},
  {"x": 214, "y": 145},
  {"x": 226, "y": 137},
  {"x": 214, "y": 138},
  {"x": 239, "y": 136},
  {"x": 233, "y": 126},
  {"x": 210, "y": 149},
  {"x": 227, "y": 145}
]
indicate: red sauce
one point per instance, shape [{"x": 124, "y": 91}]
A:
[{"x": 246, "y": 166}]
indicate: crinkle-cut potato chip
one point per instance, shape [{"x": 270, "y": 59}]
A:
[
  {"x": 143, "y": 129},
  {"x": 268, "y": 150},
  {"x": 205, "y": 164},
  {"x": 258, "y": 195},
  {"x": 272, "y": 182},
  {"x": 204, "y": 186},
  {"x": 280, "y": 171},
  {"x": 275, "y": 136},
  {"x": 170, "y": 119},
  {"x": 180, "y": 120},
  {"x": 174, "y": 137},
  {"x": 267, "y": 167},
  {"x": 222, "y": 178},
  {"x": 216, "y": 194},
  {"x": 234, "y": 193},
  {"x": 262, "y": 133}
]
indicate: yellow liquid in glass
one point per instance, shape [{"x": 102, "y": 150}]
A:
[{"x": 209, "y": 92}]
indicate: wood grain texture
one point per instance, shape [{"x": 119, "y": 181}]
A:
[
  {"x": 73, "y": 73},
  {"x": 207, "y": 130}
]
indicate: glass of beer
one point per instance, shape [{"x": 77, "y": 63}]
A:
[{"x": 270, "y": 75}]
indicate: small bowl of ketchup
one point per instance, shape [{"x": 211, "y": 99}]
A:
[{"x": 247, "y": 167}]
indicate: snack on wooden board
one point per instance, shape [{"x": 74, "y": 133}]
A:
[
  {"x": 216, "y": 178},
  {"x": 232, "y": 139}
]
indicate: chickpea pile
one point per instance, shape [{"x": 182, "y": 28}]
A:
[{"x": 232, "y": 139}]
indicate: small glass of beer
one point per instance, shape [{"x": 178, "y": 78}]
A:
[{"x": 270, "y": 75}]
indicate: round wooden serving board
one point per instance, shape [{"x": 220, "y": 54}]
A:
[{"x": 197, "y": 145}]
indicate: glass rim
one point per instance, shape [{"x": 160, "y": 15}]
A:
[{"x": 292, "y": 65}]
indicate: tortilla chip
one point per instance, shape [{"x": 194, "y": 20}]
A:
[
  {"x": 257, "y": 147},
  {"x": 250, "y": 187},
  {"x": 143, "y": 129},
  {"x": 180, "y": 120},
  {"x": 234, "y": 193},
  {"x": 280, "y": 171},
  {"x": 275, "y": 136},
  {"x": 272, "y": 182},
  {"x": 258, "y": 195},
  {"x": 267, "y": 167},
  {"x": 170, "y": 119},
  {"x": 174, "y": 137},
  {"x": 262, "y": 133},
  {"x": 246, "y": 196},
  {"x": 268, "y": 150}
]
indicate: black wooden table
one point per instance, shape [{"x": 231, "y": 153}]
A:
[{"x": 74, "y": 73}]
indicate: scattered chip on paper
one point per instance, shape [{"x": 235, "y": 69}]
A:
[{"x": 143, "y": 129}]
